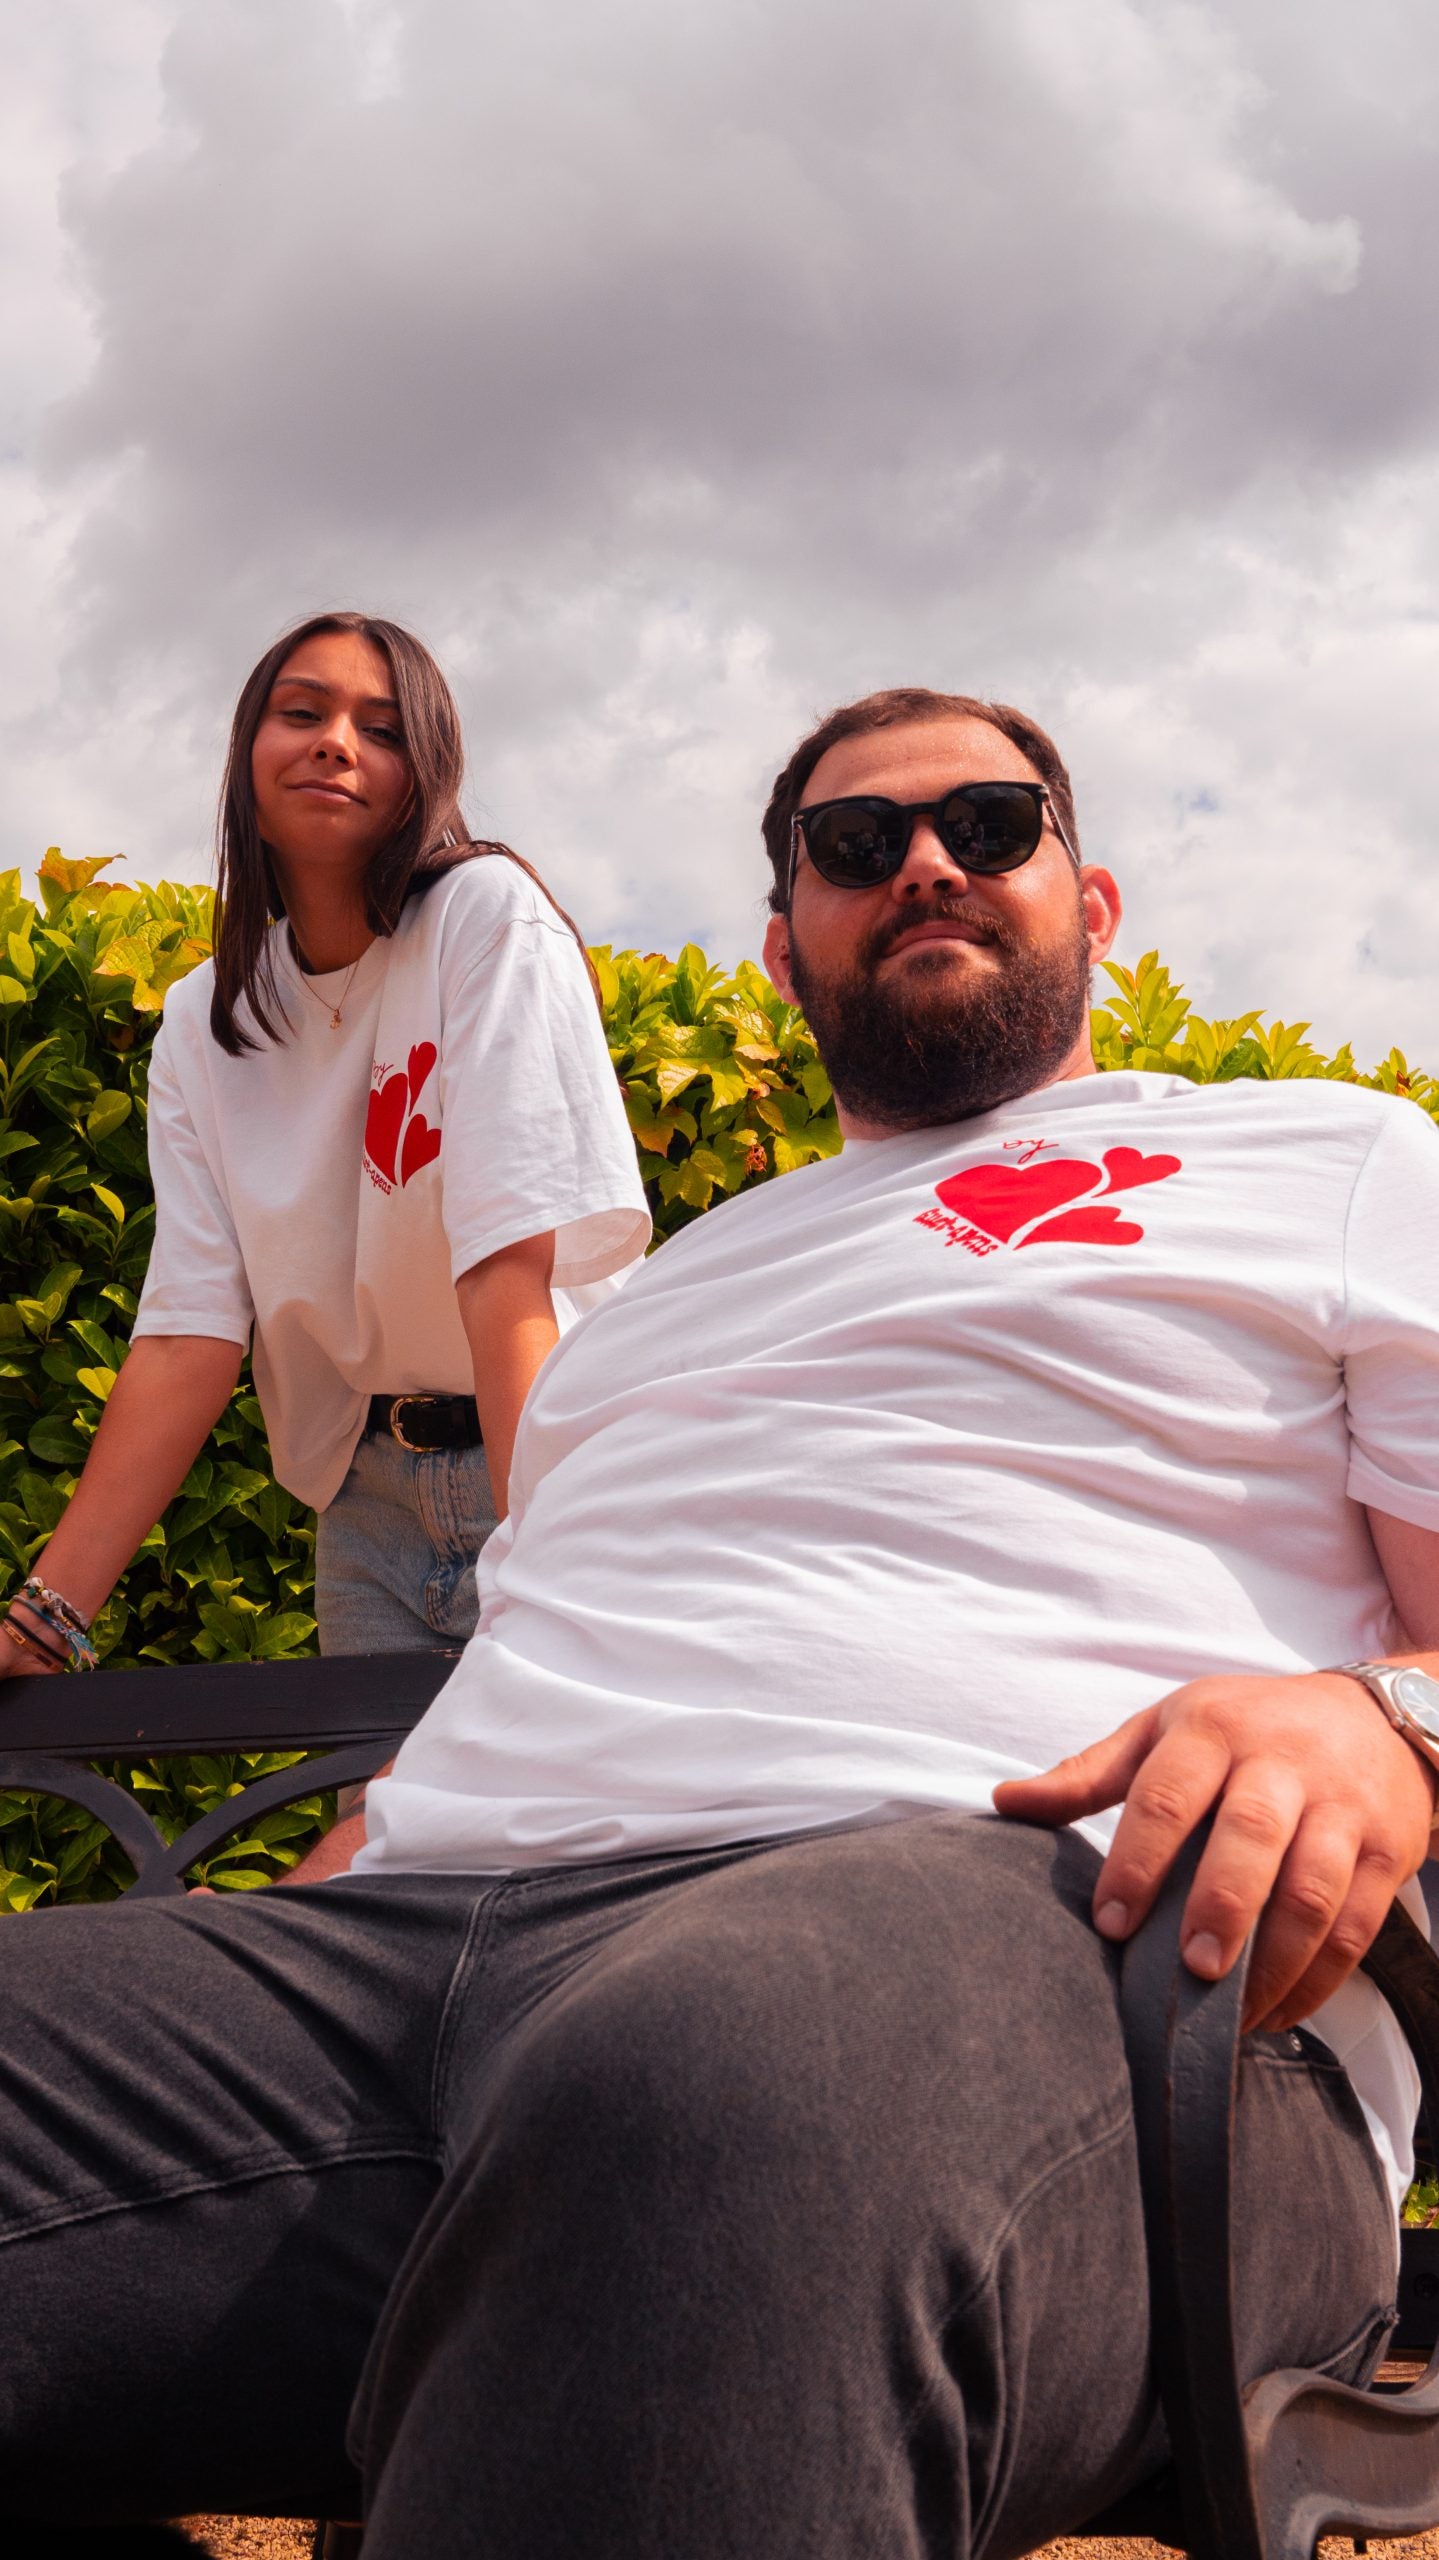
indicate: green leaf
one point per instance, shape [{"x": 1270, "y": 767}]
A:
[
  {"x": 95, "y": 1340},
  {"x": 57, "y": 1441},
  {"x": 107, "y": 1115}
]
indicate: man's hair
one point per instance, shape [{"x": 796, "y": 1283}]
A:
[{"x": 901, "y": 705}]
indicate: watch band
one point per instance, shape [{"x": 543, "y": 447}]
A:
[{"x": 1383, "y": 1682}]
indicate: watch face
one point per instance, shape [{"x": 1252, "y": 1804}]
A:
[{"x": 1419, "y": 1697}]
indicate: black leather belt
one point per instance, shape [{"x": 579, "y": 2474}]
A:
[{"x": 425, "y": 1423}]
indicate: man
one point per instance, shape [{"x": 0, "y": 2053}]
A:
[{"x": 705, "y": 2124}]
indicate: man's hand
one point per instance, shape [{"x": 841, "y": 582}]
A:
[{"x": 1322, "y": 1812}]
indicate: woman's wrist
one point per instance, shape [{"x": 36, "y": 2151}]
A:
[
  {"x": 36, "y": 1652},
  {"x": 42, "y": 1622},
  {"x": 37, "y": 1596}
]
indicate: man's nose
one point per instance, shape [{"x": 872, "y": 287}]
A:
[{"x": 926, "y": 864}]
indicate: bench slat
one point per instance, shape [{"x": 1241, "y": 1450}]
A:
[{"x": 210, "y": 1706}]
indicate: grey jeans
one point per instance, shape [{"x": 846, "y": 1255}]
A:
[{"x": 773, "y": 2201}]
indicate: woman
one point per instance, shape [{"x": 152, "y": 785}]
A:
[{"x": 385, "y": 1137}]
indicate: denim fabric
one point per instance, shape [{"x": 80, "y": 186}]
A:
[
  {"x": 395, "y": 1551},
  {"x": 776, "y": 2199}
]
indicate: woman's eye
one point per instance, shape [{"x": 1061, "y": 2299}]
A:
[{"x": 388, "y": 737}]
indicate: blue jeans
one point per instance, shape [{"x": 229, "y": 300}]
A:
[{"x": 395, "y": 1552}]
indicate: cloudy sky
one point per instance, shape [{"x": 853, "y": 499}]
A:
[{"x": 678, "y": 370}]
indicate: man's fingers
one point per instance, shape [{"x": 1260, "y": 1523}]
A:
[
  {"x": 1350, "y": 1935},
  {"x": 1311, "y": 1891},
  {"x": 1172, "y": 1789},
  {"x": 1087, "y": 1783},
  {"x": 1257, "y": 1819}
]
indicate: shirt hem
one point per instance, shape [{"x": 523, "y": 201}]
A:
[
  {"x": 218, "y": 1328},
  {"x": 568, "y": 1273},
  {"x": 1378, "y": 1492}
]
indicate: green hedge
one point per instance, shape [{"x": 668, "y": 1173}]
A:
[{"x": 722, "y": 1086}]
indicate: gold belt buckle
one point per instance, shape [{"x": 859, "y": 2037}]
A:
[{"x": 416, "y": 1448}]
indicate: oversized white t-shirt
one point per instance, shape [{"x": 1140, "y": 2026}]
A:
[
  {"x": 927, "y": 1465},
  {"x": 331, "y": 1187}
]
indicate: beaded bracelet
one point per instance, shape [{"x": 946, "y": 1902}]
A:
[
  {"x": 52, "y": 1605},
  {"x": 71, "y": 1629}
]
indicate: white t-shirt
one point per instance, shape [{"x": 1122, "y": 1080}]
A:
[
  {"x": 331, "y": 1187},
  {"x": 932, "y": 1463}
]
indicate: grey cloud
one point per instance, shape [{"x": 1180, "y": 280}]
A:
[{"x": 678, "y": 371}]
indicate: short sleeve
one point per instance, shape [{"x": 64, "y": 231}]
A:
[
  {"x": 535, "y": 1131},
  {"x": 196, "y": 1280},
  {"x": 1391, "y": 1323}
]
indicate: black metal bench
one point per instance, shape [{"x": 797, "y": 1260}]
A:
[
  {"x": 1257, "y": 2474},
  {"x": 353, "y": 1710}
]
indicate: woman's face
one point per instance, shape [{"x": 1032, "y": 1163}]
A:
[{"x": 330, "y": 773}]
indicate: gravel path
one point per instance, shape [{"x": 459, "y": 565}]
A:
[{"x": 246, "y": 2538}]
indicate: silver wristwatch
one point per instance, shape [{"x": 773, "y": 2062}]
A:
[{"x": 1409, "y": 1698}]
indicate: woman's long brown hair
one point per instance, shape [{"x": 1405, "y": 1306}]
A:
[{"x": 430, "y": 839}]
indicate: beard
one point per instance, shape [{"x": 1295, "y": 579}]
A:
[{"x": 917, "y": 1050}]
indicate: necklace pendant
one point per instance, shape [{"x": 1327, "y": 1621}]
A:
[{"x": 335, "y": 1019}]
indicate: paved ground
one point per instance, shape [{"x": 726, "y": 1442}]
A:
[
  {"x": 231, "y": 2538},
  {"x": 249, "y": 2538}
]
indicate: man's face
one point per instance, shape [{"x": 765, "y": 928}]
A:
[{"x": 940, "y": 993}]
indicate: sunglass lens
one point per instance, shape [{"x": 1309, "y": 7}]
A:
[
  {"x": 990, "y": 826},
  {"x": 855, "y": 843}
]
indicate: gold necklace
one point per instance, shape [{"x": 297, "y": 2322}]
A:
[{"x": 343, "y": 999}]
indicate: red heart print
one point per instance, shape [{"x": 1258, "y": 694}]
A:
[
  {"x": 383, "y": 1122},
  {"x": 1001, "y": 1197},
  {"x": 1095, "y": 1225},
  {"x": 1127, "y": 1168},
  {"x": 422, "y": 1145},
  {"x": 422, "y": 1058}
]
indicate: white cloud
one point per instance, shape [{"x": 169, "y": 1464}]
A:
[{"x": 679, "y": 372}]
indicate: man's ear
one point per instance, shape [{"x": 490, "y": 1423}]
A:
[
  {"x": 1103, "y": 908},
  {"x": 776, "y": 956}
]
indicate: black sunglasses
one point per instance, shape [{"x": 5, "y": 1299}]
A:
[{"x": 983, "y": 826}]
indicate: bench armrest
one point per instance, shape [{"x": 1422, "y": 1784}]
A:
[{"x": 354, "y": 1708}]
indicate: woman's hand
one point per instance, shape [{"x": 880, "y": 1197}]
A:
[
  {"x": 161, "y": 1409},
  {"x": 34, "y": 1660},
  {"x": 1322, "y": 1811}
]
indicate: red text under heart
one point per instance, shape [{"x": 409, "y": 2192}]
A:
[
  {"x": 422, "y": 1145},
  {"x": 383, "y": 1122},
  {"x": 422, "y": 1058},
  {"x": 1002, "y": 1197},
  {"x": 1096, "y": 1225},
  {"x": 1127, "y": 1168}
]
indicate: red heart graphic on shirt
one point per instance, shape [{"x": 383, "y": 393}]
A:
[
  {"x": 422, "y": 1145},
  {"x": 383, "y": 1122},
  {"x": 422, "y": 1058},
  {"x": 1095, "y": 1225},
  {"x": 1001, "y": 1197},
  {"x": 1127, "y": 1168}
]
